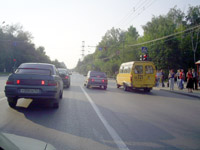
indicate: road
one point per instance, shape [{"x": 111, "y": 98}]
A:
[{"x": 95, "y": 119}]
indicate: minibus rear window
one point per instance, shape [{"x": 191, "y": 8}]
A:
[
  {"x": 138, "y": 69},
  {"x": 149, "y": 69}
]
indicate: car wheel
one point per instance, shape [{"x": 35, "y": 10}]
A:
[
  {"x": 87, "y": 86},
  {"x": 118, "y": 86},
  {"x": 56, "y": 105},
  {"x": 61, "y": 95},
  {"x": 68, "y": 86},
  {"x": 105, "y": 87},
  {"x": 12, "y": 102}
]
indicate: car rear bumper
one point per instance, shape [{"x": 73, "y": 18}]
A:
[
  {"x": 97, "y": 84},
  {"x": 45, "y": 92},
  {"x": 66, "y": 82}
]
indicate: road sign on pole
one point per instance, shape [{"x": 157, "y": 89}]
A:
[{"x": 144, "y": 49}]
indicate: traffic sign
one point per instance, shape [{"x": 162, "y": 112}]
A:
[{"x": 144, "y": 49}]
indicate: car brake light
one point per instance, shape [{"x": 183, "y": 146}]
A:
[
  {"x": 18, "y": 81},
  {"x": 103, "y": 81},
  {"x": 9, "y": 82},
  {"x": 43, "y": 82},
  {"x": 92, "y": 80},
  {"x": 66, "y": 77},
  {"x": 52, "y": 83}
]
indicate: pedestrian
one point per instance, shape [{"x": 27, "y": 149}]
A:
[
  {"x": 158, "y": 76},
  {"x": 171, "y": 79},
  {"x": 182, "y": 78},
  {"x": 189, "y": 81},
  {"x": 177, "y": 78},
  {"x": 194, "y": 78},
  {"x": 162, "y": 78}
]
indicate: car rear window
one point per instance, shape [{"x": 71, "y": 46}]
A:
[
  {"x": 62, "y": 72},
  {"x": 33, "y": 71},
  {"x": 98, "y": 74}
]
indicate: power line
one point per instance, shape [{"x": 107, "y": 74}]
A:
[
  {"x": 137, "y": 11},
  {"x": 141, "y": 10},
  {"x": 168, "y": 38},
  {"x": 129, "y": 13},
  {"x": 164, "y": 37}
]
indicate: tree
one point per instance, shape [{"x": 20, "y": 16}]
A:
[{"x": 193, "y": 19}]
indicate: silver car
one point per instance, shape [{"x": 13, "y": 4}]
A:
[{"x": 96, "y": 79}]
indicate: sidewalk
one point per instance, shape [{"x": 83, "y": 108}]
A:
[{"x": 196, "y": 93}]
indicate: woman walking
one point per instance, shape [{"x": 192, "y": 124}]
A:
[
  {"x": 189, "y": 81},
  {"x": 171, "y": 79}
]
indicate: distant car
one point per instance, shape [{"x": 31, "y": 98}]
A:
[
  {"x": 96, "y": 79},
  {"x": 65, "y": 75},
  {"x": 35, "y": 81}
]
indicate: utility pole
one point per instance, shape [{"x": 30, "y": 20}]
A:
[
  {"x": 123, "y": 47},
  {"x": 83, "y": 51}
]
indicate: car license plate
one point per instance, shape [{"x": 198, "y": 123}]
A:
[{"x": 30, "y": 91}]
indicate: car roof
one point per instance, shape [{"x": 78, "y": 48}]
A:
[
  {"x": 61, "y": 68},
  {"x": 96, "y": 72},
  {"x": 37, "y": 65}
]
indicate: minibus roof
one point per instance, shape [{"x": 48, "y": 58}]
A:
[{"x": 132, "y": 62}]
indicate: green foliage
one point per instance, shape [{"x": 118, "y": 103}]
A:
[
  {"x": 175, "y": 52},
  {"x": 16, "y": 44}
]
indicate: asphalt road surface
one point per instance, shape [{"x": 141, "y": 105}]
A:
[{"x": 112, "y": 119}]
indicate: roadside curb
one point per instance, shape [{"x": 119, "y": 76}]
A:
[{"x": 182, "y": 93}]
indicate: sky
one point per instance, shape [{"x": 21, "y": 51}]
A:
[{"x": 61, "y": 26}]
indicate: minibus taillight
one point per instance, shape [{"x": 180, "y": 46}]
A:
[{"x": 131, "y": 78}]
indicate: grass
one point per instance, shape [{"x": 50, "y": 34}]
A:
[{"x": 4, "y": 73}]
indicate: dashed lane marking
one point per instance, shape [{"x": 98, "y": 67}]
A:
[{"x": 120, "y": 144}]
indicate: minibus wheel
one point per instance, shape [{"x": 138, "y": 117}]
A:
[
  {"x": 146, "y": 90},
  {"x": 118, "y": 86},
  {"x": 125, "y": 87}
]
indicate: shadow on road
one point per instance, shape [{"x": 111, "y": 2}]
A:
[{"x": 78, "y": 118}]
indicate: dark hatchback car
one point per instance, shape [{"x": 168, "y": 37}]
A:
[
  {"x": 96, "y": 79},
  {"x": 35, "y": 81},
  {"x": 65, "y": 75}
]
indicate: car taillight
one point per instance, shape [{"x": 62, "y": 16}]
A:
[
  {"x": 52, "y": 83},
  {"x": 66, "y": 77},
  {"x": 104, "y": 80},
  {"x": 43, "y": 82},
  {"x": 9, "y": 82},
  {"x": 92, "y": 80},
  {"x": 18, "y": 81}
]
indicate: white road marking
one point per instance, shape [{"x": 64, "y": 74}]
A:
[
  {"x": 2, "y": 99},
  {"x": 120, "y": 144}
]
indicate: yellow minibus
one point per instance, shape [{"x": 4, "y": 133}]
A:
[{"x": 136, "y": 75}]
